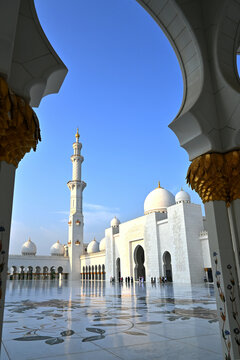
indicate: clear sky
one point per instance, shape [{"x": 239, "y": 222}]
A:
[{"x": 123, "y": 88}]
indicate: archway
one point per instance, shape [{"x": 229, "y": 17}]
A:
[
  {"x": 118, "y": 269},
  {"x": 45, "y": 272},
  {"x": 99, "y": 272},
  {"x": 96, "y": 274},
  {"x": 37, "y": 272},
  {"x": 29, "y": 272},
  {"x": 93, "y": 277},
  {"x": 139, "y": 258},
  {"x": 103, "y": 272},
  {"x": 60, "y": 272},
  {"x": 167, "y": 266},
  {"x": 53, "y": 272}
]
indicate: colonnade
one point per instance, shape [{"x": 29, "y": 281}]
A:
[
  {"x": 36, "y": 273},
  {"x": 93, "y": 272}
]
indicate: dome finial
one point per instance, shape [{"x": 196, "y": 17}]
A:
[
  {"x": 159, "y": 186},
  {"x": 77, "y": 135}
]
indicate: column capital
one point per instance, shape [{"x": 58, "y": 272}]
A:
[
  {"x": 19, "y": 126},
  {"x": 215, "y": 176}
]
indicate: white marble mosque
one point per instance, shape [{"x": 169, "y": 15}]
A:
[{"x": 170, "y": 240}]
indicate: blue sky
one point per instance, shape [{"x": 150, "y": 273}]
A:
[{"x": 123, "y": 88}]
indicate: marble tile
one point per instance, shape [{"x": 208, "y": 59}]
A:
[
  {"x": 3, "y": 355},
  {"x": 132, "y": 337},
  {"x": 105, "y": 321},
  {"x": 210, "y": 342},
  {"x": 26, "y": 350},
  {"x": 167, "y": 350},
  {"x": 176, "y": 330},
  {"x": 93, "y": 355}
]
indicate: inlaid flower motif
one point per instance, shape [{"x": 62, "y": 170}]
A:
[
  {"x": 229, "y": 266},
  {"x": 236, "y": 331},
  {"x": 229, "y": 287}
]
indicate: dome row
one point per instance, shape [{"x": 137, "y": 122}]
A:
[
  {"x": 160, "y": 199},
  {"x": 29, "y": 248},
  {"x": 94, "y": 246}
]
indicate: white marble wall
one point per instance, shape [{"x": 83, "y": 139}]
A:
[
  {"x": 172, "y": 237},
  {"x": 205, "y": 249}
]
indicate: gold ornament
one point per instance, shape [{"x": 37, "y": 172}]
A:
[
  {"x": 19, "y": 126},
  {"x": 216, "y": 176}
]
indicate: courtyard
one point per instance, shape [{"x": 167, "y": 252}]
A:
[{"x": 60, "y": 319}]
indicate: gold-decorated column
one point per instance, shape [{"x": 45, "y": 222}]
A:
[
  {"x": 216, "y": 178},
  {"x": 19, "y": 133}
]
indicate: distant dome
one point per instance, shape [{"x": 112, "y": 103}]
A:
[
  {"x": 29, "y": 248},
  {"x": 115, "y": 222},
  {"x": 102, "y": 244},
  {"x": 57, "y": 249},
  {"x": 158, "y": 200},
  {"x": 182, "y": 197},
  {"x": 93, "y": 247}
]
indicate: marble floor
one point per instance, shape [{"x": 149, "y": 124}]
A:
[{"x": 96, "y": 320}]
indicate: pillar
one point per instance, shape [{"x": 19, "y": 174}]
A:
[
  {"x": 225, "y": 277},
  {"x": 215, "y": 177},
  {"x": 19, "y": 133},
  {"x": 7, "y": 177}
]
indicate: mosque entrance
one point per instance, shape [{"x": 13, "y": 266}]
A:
[
  {"x": 167, "y": 266},
  {"x": 118, "y": 266},
  {"x": 139, "y": 259}
]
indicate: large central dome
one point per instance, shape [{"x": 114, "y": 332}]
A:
[{"x": 158, "y": 200}]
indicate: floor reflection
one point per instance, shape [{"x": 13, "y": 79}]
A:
[{"x": 57, "y": 313}]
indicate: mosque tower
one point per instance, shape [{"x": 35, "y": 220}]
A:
[{"x": 75, "y": 224}]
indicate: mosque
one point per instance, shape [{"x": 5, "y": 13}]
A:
[{"x": 170, "y": 240}]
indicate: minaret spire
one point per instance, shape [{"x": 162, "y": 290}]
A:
[
  {"x": 77, "y": 136},
  {"x": 75, "y": 230}
]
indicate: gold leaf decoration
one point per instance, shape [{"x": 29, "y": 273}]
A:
[
  {"x": 19, "y": 126},
  {"x": 216, "y": 176}
]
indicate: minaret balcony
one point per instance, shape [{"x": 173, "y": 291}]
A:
[
  {"x": 69, "y": 223},
  {"x": 72, "y": 183},
  {"x": 78, "y": 222}
]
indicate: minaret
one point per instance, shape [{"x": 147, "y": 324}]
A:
[{"x": 75, "y": 224}]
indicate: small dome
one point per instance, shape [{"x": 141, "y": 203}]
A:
[
  {"x": 102, "y": 244},
  {"x": 57, "y": 249},
  {"x": 29, "y": 248},
  {"x": 182, "y": 197},
  {"x": 93, "y": 247},
  {"x": 115, "y": 222},
  {"x": 158, "y": 200}
]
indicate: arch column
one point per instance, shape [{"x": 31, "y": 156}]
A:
[
  {"x": 205, "y": 36},
  {"x": 26, "y": 76}
]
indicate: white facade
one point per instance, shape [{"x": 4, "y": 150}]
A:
[{"x": 168, "y": 241}]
